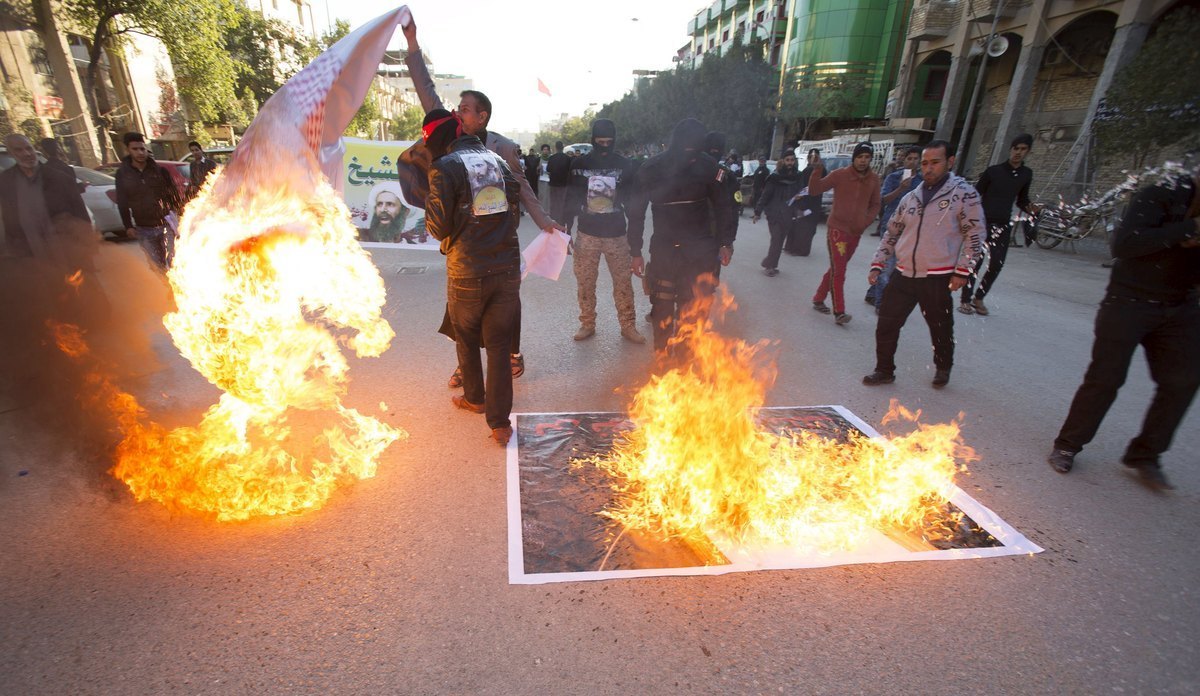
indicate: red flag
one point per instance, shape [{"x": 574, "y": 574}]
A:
[{"x": 543, "y": 88}]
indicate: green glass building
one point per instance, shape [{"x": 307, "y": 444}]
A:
[{"x": 856, "y": 42}]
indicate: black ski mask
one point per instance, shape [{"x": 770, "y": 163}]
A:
[
  {"x": 714, "y": 144},
  {"x": 603, "y": 128},
  {"x": 687, "y": 140}
]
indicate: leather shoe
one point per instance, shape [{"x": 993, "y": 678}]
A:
[
  {"x": 1061, "y": 460},
  {"x": 502, "y": 435},
  {"x": 941, "y": 378},
  {"x": 877, "y": 378},
  {"x": 461, "y": 402},
  {"x": 585, "y": 331},
  {"x": 1152, "y": 477}
]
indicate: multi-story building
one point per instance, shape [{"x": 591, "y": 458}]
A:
[
  {"x": 716, "y": 28},
  {"x": 1046, "y": 65},
  {"x": 297, "y": 14}
]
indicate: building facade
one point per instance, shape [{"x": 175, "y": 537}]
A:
[{"x": 978, "y": 72}]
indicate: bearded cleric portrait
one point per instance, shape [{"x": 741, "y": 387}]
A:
[{"x": 388, "y": 213}]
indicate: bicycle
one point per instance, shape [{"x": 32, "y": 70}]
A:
[{"x": 1071, "y": 223}]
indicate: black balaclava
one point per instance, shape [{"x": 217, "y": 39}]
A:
[
  {"x": 440, "y": 129},
  {"x": 687, "y": 140},
  {"x": 714, "y": 144},
  {"x": 603, "y": 128}
]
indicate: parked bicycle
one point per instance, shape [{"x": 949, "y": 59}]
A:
[{"x": 1071, "y": 223}]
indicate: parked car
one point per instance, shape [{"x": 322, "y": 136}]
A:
[
  {"x": 100, "y": 197},
  {"x": 578, "y": 148},
  {"x": 220, "y": 155},
  {"x": 832, "y": 162}
]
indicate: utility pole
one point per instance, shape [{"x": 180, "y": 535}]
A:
[{"x": 965, "y": 138}]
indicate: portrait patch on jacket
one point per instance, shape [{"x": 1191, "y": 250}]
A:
[
  {"x": 601, "y": 194},
  {"x": 487, "y": 183}
]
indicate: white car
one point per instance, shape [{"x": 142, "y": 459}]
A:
[
  {"x": 100, "y": 197},
  {"x": 578, "y": 148}
]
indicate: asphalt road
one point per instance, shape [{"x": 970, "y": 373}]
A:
[{"x": 399, "y": 585}]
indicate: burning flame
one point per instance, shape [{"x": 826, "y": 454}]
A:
[
  {"x": 269, "y": 283},
  {"x": 697, "y": 464}
]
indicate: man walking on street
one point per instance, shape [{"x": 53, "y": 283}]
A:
[
  {"x": 999, "y": 187},
  {"x": 558, "y": 169},
  {"x": 779, "y": 201},
  {"x": 1152, "y": 300},
  {"x": 475, "y": 219},
  {"x": 935, "y": 236},
  {"x": 693, "y": 226},
  {"x": 759, "y": 180},
  {"x": 895, "y": 186},
  {"x": 37, "y": 200},
  {"x": 855, "y": 206},
  {"x": 600, "y": 182},
  {"x": 533, "y": 169},
  {"x": 145, "y": 197}
]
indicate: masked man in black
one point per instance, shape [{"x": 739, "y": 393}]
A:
[
  {"x": 693, "y": 225},
  {"x": 779, "y": 201}
]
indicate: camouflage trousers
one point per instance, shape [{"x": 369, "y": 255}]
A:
[{"x": 587, "y": 253}]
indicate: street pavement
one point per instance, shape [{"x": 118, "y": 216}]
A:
[{"x": 399, "y": 585}]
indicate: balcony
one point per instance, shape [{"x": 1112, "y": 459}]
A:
[
  {"x": 933, "y": 20},
  {"x": 986, "y": 10}
]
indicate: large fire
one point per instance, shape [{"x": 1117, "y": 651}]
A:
[
  {"x": 269, "y": 282},
  {"x": 697, "y": 464}
]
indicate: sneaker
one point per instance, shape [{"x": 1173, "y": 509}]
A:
[
  {"x": 631, "y": 334},
  {"x": 1152, "y": 477},
  {"x": 461, "y": 402},
  {"x": 771, "y": 272},
  {"x": 869, "y": 299},
  {"x": 821, "y": 307},
  {"x": 584, "y": 332},
  {"x": 877, "y": 378},
  {"x": 516, "y": 363},
  {"x": 1061, "y": 460},
  {"x": 841, "y": 318},
  {"x": 980, "y": 308},
  {"x": 455, "y": 380},
  {"x": 502, "y": 435},
  {"x": 941, "y": 378},
  {"x": 966, "y": 308}
]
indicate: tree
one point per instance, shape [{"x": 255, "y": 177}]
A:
[
  {"x": 833, "y": 98},
  {"x": 407, "y": 126},
  {"x": 191, "y": 31},
  {"x": 576, "y": 129},
  {"x": 1154, "y": 101}
]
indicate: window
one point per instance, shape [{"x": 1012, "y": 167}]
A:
[
  {"x": 759, "y": 17},
  {"x": 935, "y": 84},
  {"x": 41, "y": 62},
  {"x": 711, "y": 43},
  {"x": 725, "y": 36}
]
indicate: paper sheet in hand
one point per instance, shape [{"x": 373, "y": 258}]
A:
[
  {"x": 546, "y": 254},
  {"x": 556, "y": 535}
]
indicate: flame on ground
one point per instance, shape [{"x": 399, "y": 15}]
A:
[
  {"x": 697, "y": 464},
  {"x": 269, "y": 282}
]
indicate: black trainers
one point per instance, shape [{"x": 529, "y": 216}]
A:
[
  {"x": 771, "y": 272},
  {"x": 941, "y": 378},
  {"x": 1061, "y": 460},
  {"x": 877, "y": 378},
  {"x": 1152, "y": 477},
  {"x": 841, "y": 318},
  {"x": 821, "y": 307}
]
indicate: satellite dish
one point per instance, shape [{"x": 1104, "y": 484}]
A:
[{"x": 997, "y": 46}]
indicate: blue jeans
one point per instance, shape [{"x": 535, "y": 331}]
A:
[
  {"x": 159, "y": 245},
  {"x": 875, "y": 292}
]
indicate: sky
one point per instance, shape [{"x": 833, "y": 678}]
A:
[{"x": 584, "y": 51}]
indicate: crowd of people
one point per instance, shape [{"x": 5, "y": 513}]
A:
[{"x": 938, "y": 234}]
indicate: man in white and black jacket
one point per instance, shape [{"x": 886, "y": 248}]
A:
[
  {"x": 935, "y": 235},
  {"x": 600, "y": 182}
]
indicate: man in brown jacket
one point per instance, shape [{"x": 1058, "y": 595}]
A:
[{"x": 855, "y": 206}]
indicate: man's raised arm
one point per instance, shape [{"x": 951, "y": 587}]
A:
[{"x": 419, "y": 72}]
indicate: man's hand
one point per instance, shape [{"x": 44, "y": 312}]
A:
[
  {"x": 548, "y": 229},
  {"x": 726, "y": 255},
  {"x": 131, "y": 233},
  {"x": 873, "y": 276},
  {"x": 957, "y": 283},
  {"x": 638, "y": 265},
  {"x": 410, "y": 35},
  {"x": 754, "y": 220}
]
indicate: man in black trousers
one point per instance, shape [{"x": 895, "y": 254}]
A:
[{"x": 1152, "y": 301}]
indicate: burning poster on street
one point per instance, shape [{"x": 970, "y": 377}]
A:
[{"x": 700, "y": 478}]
